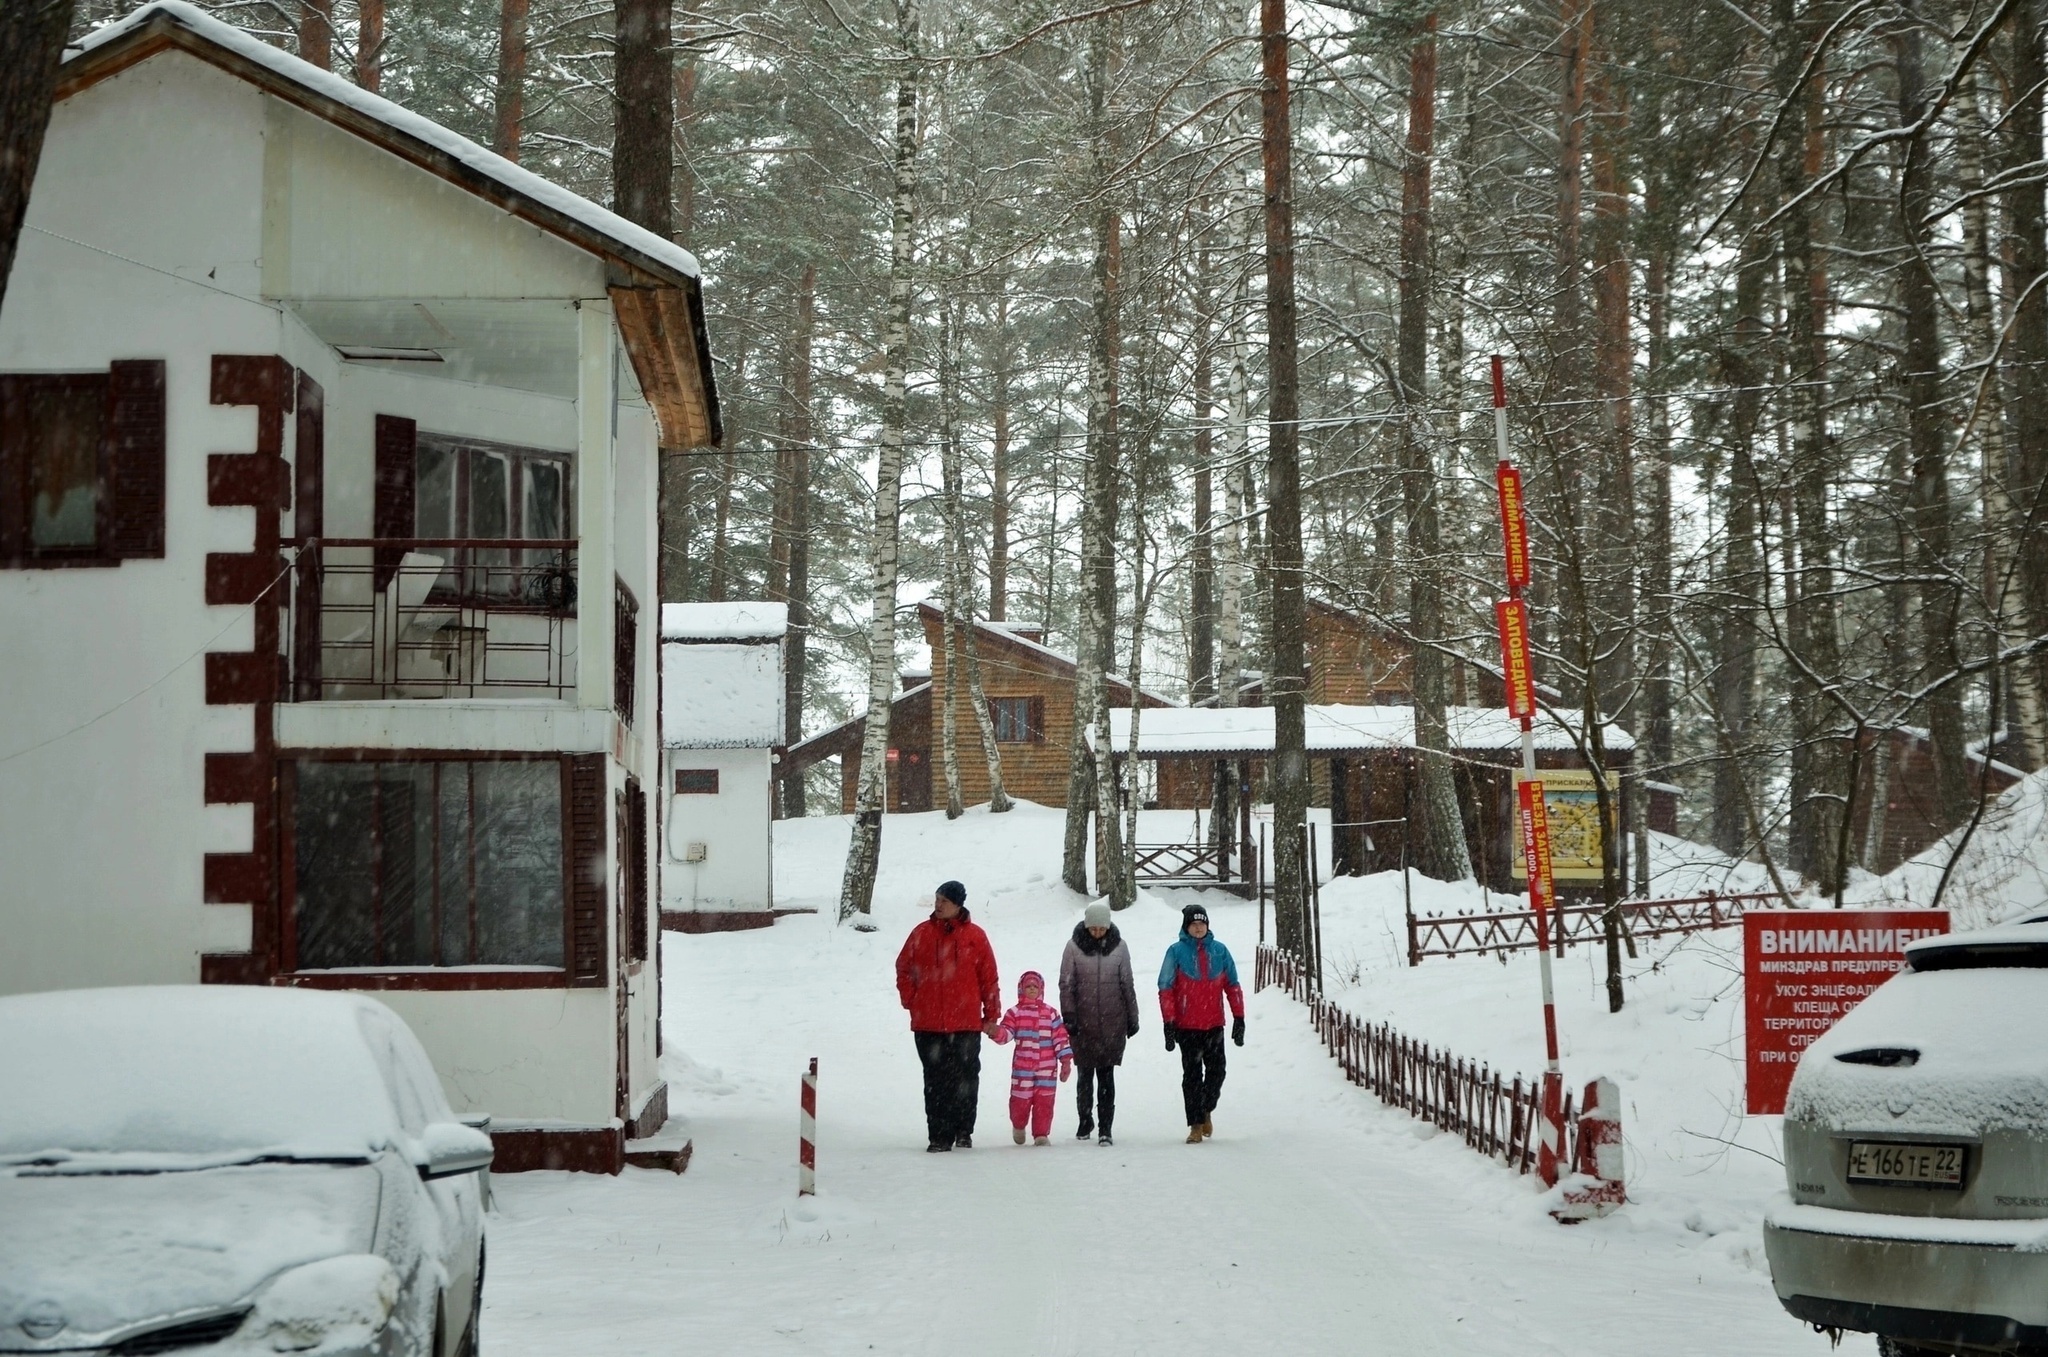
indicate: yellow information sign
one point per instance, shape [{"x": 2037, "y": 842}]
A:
[{"x": 1572, "y": 809}]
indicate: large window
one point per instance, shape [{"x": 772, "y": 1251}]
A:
[
  {"x": 82, "y": 465},
  {"x": 469, "y": 488},
  {"x": 444, "y": 862}
]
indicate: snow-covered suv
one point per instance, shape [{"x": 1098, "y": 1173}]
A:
[
  {"x": 215, "y": 1169},
  {"x": 1916, "y": 1155}
]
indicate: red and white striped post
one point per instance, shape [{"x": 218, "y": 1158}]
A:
[
  {"x": 1598, "y": 1188},
  {"x": 1519, "y": 674},
  {"x": 807, "y": 1136}
]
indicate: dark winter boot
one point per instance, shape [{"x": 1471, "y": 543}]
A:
[
  {"x": 938, "y": 1147},
  {"x": 1087, "y": 1129},
  {"x": 963, "y": 1141}
]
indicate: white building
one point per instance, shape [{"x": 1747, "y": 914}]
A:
[
  {"x": 328, "y": 450},
  {"x": 721, "y": 728}
]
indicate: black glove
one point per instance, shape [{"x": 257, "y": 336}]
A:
[
  {"x": 1169, "y": 1038},
  {"x": 1237, "y": 1031},
  {"x": 1134, "y": 1028}
]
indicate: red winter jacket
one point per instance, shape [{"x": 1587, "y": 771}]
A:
[{"x": 946, "y": 976}]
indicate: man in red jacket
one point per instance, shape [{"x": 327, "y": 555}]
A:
[{"x": 946, "y": 977}]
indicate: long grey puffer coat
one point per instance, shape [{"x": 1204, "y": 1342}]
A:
[{"x": 1098, "y": 999}]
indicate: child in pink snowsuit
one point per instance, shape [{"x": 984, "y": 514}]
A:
[{"x": 1042, "y": 1049}]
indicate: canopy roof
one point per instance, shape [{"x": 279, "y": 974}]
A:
[{"x": 1332, "y": 730}]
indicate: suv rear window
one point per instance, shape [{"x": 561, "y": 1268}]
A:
[{"x": 1963, "y": 955}]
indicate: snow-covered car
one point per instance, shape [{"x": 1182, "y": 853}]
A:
[
  {"x": 1916, "y": 1155},
  {"x": 201, "y": 1169}
]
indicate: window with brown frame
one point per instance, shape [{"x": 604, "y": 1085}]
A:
[
  {"x": 82, "y": 466},
  {"x": 446, "y": 487},
  {"x": 625, "y": 650},
  {"x": 428, "y": 862},
  {"x": 696, "y": 782},
  {"x": 1017, "y": 720}
]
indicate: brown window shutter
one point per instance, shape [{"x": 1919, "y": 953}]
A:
[
  {"x": 134, "y": 459},
  {"x": 586, "y": 870},
  {"x": 625, "y": 651},
  {"x": 636, "y": 805},
  {"x": 1035, "y": 730},
  {"x": 392, "y": 513}
]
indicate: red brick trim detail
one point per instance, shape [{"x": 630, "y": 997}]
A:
[
  {"x": 591, "y": 1150},
  {"x": 258, "y": 479}
]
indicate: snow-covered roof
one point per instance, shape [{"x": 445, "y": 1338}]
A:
[
  {"x": 1331, "y": 729},
  {"x": 553, "y": 198},
  {"x": 750, "y": 621},
  {"x": 721, "y": 694},
  {"x": 1004, "y": 631}
]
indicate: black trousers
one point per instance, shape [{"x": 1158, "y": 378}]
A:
[
  {"x": 952, "y": 1082},
  {"x": 1201, "y": 1071},
  {"x": 1096, "y": 1115}
]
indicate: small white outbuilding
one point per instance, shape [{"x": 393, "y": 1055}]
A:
[{"x": 721, "y": 732}]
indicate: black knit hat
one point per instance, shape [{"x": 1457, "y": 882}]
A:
[
  {"x": 1192, "y": 913},
  {"x": 953, "y": 891}
]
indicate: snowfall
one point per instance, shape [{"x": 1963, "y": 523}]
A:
[{"x": 1317, "y": 1219}]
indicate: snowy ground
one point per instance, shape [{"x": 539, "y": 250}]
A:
[{"x": 1316, "y": 1221}]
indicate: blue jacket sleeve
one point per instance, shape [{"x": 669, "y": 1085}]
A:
[
  {"x": 1229, "y": 965},
  {"x": 1167, "y": 969}
]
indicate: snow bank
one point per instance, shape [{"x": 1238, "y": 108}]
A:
[
  {"x": 189, "y": 1070},
  {"x": 717, "y": 696},
  {"x": 2002, "y": 871}
]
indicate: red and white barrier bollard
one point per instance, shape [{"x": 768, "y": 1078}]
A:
[
  {"x": 1596, "y": 1188},
  {"x": 807, "y": 1136}
]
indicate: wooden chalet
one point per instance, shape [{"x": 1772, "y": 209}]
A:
[
  {"x": 1030, "y": 690},
  {"x": 1910, "y": 821}
]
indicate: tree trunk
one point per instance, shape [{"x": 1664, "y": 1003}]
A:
[
  {"x": 2028, "y": 243},
  {"x": 685, "y": 173},
  {"x": 370, "y": 44},
  {"x": 796, "y": 510},
  {"x": 1812, "y": 634},
  {"x": 1927, "y": 436},
  {"x": 947, "y": 693},
  {"x": 2001, "y": 597},
  {"x": 32, "y": 34},
  {"x": 316, "y": 33},
  {"x": 643, "y": 112},
  {"x": 510, "y": 94},
  {"x": 999, "y": 465},
  {"x": 1202, "y": 578},
  {"x": 1568, "y": 343},
  {"x": 1440, "y": 848},
  {"x": 1658, "y": 690},
  {"x": 1286, "y": 680},
  {"x": 864, "y": 848}
]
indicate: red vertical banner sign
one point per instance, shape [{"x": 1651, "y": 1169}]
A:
[
  {"x": 1803, "y": 969},
  {"x": 1517, "y": 676},
  {"x": 1536, "y": 856},
  {"x": 1514, "y": 526}
]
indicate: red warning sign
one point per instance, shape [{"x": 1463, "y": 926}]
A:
[
  {"x": 1513, "y": 616},
  {"x": 1536, "y": 846},
  {"x": 1802, "y": 969},
  {"x": 1514, "y": 527}
]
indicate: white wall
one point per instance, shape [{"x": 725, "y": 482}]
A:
[
  {"x": 734, "y": 826},
  {"x": 103, "y": 831}
]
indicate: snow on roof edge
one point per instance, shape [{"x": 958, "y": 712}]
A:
[
  {"x": 750, "y": 620},
  {"x": 523, "y": 182}
]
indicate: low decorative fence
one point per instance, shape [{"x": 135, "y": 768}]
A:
[
  {"x": 1577, "y": 922},
  {"x": 1496, "y": 1115}
]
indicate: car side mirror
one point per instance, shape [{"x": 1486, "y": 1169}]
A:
[{"x": 448, "y": 1149}]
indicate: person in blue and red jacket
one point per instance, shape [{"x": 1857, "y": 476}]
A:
[
  {"x": 1196, "y": 979},
  {"x": 946, "y": 978}
]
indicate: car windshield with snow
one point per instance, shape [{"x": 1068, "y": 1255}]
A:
[
  {"x": 1916, "y": 1155},
  {"x": 223, "y": 1170}
]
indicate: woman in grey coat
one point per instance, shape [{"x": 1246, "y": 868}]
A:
[{"x": 1100, "y": 1006}]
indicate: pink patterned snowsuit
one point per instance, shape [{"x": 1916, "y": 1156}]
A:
[{"x": 1043, "y": 1056}]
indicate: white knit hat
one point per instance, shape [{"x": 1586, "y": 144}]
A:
[{"x": 1096, "y": 915}]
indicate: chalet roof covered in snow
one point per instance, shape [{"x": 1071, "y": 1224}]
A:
[
  {"x": 1248, "y": 731},
  {"x": 749, "y": 621},
  {"x": 656, "y": 292}
]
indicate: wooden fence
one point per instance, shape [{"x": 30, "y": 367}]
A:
[
  {"x": 1495, "y": 1116},
  {"x": 1575, "y": 923}
]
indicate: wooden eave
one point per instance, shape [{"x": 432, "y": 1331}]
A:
[{"x": 660, "y": 308}]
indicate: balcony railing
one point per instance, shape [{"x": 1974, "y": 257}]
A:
[{"x": 432, "y": 617}]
